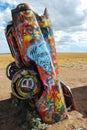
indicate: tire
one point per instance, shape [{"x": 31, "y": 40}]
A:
[
  {"x": 11, "y": 69},
  {"x": 25, "y": 85}
]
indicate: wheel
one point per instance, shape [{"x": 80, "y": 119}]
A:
[
  {"x": 25, "y": 85},
  {"x": 11, "y": 70}
]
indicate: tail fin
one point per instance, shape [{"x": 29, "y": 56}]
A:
[{"x": 68, "y": 96}]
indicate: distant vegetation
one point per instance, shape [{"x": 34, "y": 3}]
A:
[{"x": 5, "y": 59}]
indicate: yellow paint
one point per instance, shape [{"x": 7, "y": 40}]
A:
[{"x": 27, "y": 37}]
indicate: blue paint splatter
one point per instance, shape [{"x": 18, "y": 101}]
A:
[{"x": 40, "y": 54}]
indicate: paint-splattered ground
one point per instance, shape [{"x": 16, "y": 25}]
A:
[{"x": 73, "y": 71}]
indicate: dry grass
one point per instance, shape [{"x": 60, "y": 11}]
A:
[
  {"x": 71, "y": 59},
  {"x": 71, "y": 56},
  {"x": 63, "y": 59},
  {"x": 5, "y": 59}
]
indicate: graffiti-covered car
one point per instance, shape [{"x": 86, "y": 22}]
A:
[{"x": 34, "y": 73}]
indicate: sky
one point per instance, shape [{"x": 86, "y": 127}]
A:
[{"x": 68, "y": 17}]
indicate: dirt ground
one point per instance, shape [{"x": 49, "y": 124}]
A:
[{"x": 73, "y": 71}]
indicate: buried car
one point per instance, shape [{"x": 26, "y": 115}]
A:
[{"x": 34, "y": 73}]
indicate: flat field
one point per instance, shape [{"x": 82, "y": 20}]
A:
[{"x": 72, "y": 70}]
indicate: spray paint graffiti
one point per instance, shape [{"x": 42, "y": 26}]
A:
[
  {"x": 40, "y": 55},
  {"x": 39, "y": 81}
]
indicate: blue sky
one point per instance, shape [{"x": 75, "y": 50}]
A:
[{"x": 68, "y": 17}]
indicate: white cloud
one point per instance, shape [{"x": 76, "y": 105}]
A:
[
  {"x": 69, "y": 20},
  {"x": 3, "y": 43},
  {"x": 83, "y": 5},
  {"x": 5, "y": 16},
  {"x": 10, "y": 2},
  {"x": 69, "y": 41}
]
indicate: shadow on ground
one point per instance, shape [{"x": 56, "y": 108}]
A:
[
  {"x": 8, "y": 116},
  {"x": 8, "y": 112},
  {"x": 80, "y": 96}
]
